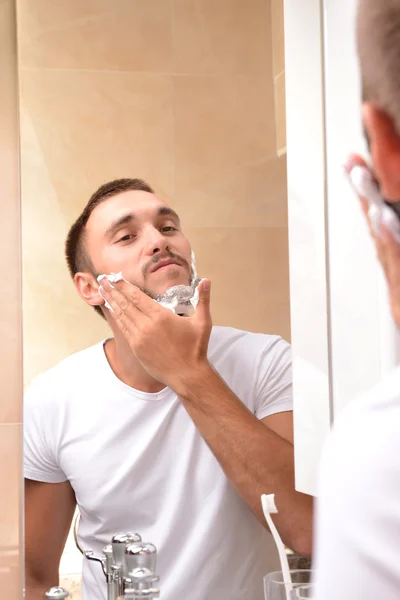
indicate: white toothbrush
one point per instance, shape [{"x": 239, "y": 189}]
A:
[{"x": 269, "y": 508}]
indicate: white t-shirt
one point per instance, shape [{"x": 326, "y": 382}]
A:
[
  {"x": 137, "y": 463},
  {"x": 358, "y": 512}
]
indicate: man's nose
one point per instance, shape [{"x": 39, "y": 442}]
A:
[{"x": 156, "y": 242}]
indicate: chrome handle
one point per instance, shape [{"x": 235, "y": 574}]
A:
[
  {"x": 139, "y": 584},
  {"x": 89, "y": 554}
]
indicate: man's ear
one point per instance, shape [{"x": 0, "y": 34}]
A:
[
  {"x": 385, "y": 150},
  {"x": 88, "y": 288}
]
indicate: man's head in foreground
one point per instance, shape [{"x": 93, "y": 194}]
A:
[{"x": 378, "y": 42}]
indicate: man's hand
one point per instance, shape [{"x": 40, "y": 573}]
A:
[
  {"x": 388, "y": 249},
  {"x": 169, "y": 347}
]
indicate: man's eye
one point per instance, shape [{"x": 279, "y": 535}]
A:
[
  {"x": 126, "y": 237},
  {"x": 169, "y": 228}
]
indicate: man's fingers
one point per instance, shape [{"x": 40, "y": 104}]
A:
[
  {"x": 354, "y": 160},
  {"x": 118, "y": 302},
  {"x": 119, "y": 309},
  {"x": 122, "y": 307},
  {"x": 139, "y": 299},
  {"x": 128, "y": 298},
  {"x": 390, "y": 246}
]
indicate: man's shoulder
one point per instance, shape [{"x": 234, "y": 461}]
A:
[
  {"x": 232, "y": 340},
  {"x": 256, "y": 366},
  {"x": 65, "y": 373}
]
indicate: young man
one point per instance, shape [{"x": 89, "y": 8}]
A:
[
  {"x": 358, "y": 516},
  {"x": 170, "y": 428}
]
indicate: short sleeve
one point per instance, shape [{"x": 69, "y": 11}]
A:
[
  {"x": 39, "y": 459},
  {"x": 273, "y": 386}
]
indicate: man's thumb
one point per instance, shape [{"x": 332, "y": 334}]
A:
[{"x": 203, "y": 306}]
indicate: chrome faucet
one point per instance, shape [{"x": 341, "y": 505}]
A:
[
  {"x": 56, "y": 593},
  {"x": 129, "y": 567}
]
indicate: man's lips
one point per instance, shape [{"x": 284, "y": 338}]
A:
[{"x": 165, "y": 263}]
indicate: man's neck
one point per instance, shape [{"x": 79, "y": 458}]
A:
[{"x": 127, "y": 368}]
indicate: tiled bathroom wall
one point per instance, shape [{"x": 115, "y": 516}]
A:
[
  {"x": 186, "y": 94},
  {"x": 11, "y": 553}
]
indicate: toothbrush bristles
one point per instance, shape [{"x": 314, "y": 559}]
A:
[{"x": 268, "y": 501}]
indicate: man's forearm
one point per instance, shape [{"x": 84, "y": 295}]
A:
[
  {"x": 255, "y": 459},
  {"x": 35, "y": 590}
]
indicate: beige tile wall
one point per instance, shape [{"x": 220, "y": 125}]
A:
[
  {"x": 278, "y": 51},
  {"x": 181, "y": 93},
  {"x": 10, "y": 316}
]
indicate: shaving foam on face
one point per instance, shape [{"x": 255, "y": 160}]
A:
[
  {"x": 112, "y": 278},
  {"x": 194, "y": 270},
  {"x": 180, "y": 299}
]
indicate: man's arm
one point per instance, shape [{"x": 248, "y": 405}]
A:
[
  {"x": 49, "y": 509},
  {"x": 255, "y": 456}
]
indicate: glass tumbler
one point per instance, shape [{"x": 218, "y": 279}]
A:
[
  {"x": 303, "y": 592},
  {"x": 275, "y": 588}
]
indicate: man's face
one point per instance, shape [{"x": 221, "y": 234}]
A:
[{"x": 138, "y": 234}]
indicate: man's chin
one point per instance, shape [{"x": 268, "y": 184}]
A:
[{"x": 170, "y": 283}]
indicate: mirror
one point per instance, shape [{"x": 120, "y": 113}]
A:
[{"x": 188, "y": 96}]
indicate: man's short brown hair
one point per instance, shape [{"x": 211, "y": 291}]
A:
[
  {"x": 378, "y": 41},
  {"x": 75, "y": 248}
]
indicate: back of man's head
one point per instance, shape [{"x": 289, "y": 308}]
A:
[{"x": 378, "y": 41}]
